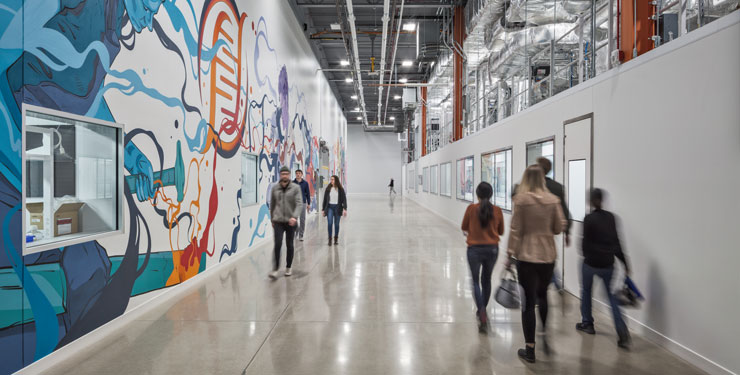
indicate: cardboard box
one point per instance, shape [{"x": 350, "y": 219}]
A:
[
  {"x": 36, "y": 214},
  {"x": 67, "y": 219}
]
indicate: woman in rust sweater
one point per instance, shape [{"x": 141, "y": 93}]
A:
[{"x": 483, "y": 224}]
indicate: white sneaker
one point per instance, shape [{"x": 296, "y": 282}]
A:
[
  {"x": 273, "y": 274},
  {"x": 300, "y": 238},
  {"x": 288, "y": 271}
]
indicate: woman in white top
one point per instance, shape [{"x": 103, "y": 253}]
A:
[{"x": 334, "y": 207}]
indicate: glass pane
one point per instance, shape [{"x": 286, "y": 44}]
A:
[
  {"x": 72, "y": 178},
  {"x": 499, "y": 189},
  {"x": 465, "y": 179},
  {"x": 249, "y": 179},
  {"x": 544, "y": 149},
  {"x": 509, "y": 179},
  {"x": 577, "y": 189}
]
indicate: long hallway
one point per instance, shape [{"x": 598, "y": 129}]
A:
[{"x": 392, "y": 298}]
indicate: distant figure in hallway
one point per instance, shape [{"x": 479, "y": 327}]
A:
[
  {"x": 390, "y": 186},
  {"x": 536, "y": 219},
  {"x": 285, "y": 208},
  {"x": 600, "y": 247},
  {"x": 306, "y": 193},
  {"x": 334, "y": 207},
  {"x": 483, "y": 224}
]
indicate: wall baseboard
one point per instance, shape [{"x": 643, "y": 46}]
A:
[
  {"x": 681, "y": 351},
  {"x": 119, "y": 323}
]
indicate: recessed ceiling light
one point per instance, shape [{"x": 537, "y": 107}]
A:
[
  {"x": 407, "y": 63},
  {"x": 409, "y": 26},
  {"x": 348, "y": 80},
  {"x": 397, "y": 97},
  {"x": 391, "y": 118},
  {"x": 357, "y": 109},
  {"x": 359, "y": 118},
  {"x": 403, "y": 80},
  {"x": 344, "y": 63},
  {"x": 353, "y": 97},
  {"x": 335, "y": 26}
]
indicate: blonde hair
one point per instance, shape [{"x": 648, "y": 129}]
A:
[{"x": 533, "y": 180}]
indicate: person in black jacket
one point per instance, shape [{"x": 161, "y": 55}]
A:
[
  {"x": 334, "y": 206},
  {"x": 600, "y": 247},
  {"x": 306, "y": 193}
]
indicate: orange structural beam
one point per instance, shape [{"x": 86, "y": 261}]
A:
[
  {"x": 423, "y": 121},
  {"x": 458, "y": 35},
  {"x": 637, "y": 28}
]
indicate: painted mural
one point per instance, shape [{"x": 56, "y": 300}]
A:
[{"x": 195, "y": 83}]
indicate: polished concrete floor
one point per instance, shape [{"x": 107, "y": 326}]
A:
[{"x": 392, "y": 298}]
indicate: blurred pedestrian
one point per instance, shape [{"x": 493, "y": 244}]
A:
[
  {"x": 392, "y": 190},
  {"x": 600, "y": 246},
  {"x": 536, "y": 219},
  {"x": 483, "y": 224}
]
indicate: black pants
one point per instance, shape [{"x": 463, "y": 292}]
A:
[
  {"x": 481, "y": 260},
  {"x": 289, "y": 232},
  {"x": 534, "y": 278}
]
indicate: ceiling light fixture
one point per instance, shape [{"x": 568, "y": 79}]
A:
[
  {"x": 354, "y": 97},
  {"x": 335, "y": 26},
  {"x": 409, "y": 27},
  {"x": 407, "y": 63},
  {"x": 391, "y": 118},
  {"x": 348, "y": 80},
  {"x": 397, "y": 97},
  {"x": 357, "y": 109},
  {"x": 344, "y": 62},
  {"x": 403, "y": 80},
  {"x": 359, "y": 118}
]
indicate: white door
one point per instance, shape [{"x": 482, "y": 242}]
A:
[{"x": 578, "y": 179}]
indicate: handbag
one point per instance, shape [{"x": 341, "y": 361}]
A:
[
  {"x": 509, "y": 293},
  {"x": 629, "y": 295}
]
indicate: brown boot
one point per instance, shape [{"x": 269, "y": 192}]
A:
[
  {"x": 336, "y": 240},
  {"x": 329, "y": 241}
]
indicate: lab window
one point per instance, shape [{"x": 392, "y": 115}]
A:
[{"x": 72, "y": 179}]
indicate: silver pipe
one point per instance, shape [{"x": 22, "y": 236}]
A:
[{"x": 393, "y": 62}]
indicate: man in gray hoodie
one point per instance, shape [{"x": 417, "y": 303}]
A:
[{"x": 286, "y": 204}]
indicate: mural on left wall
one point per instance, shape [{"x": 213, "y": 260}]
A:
[{"x": 198, "y": 79}]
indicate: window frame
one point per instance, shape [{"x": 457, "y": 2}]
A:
[
  {"x": 539, "y": 141},
  {"x": 449, "y": 175},
  {"x": 472, "y": 157},
  {"x": 425, "y": 180},
  {"x": 256, "y": 179},
  {"x": 434, "y": 179},
  {"x": 74, "y": 240},
  {"x": 509, "y": 172}
]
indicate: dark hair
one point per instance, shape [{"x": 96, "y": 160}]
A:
[
  {"x": 597, "y": 195},
  {"x": 484, "y": 191},
  {"x": 545, "y": 164},
  {"x": 298, "y": 170},
  {"x": 337, "y": 183}
]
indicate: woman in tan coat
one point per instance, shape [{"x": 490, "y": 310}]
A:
[{"x": 537, "y": 218}]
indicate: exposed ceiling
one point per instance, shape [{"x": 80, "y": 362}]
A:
[{"x": 323, "y": 22}]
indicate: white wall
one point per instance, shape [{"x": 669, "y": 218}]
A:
[
  {"x": 373, "y": 159},
  {"x": 667, "y": 149}
]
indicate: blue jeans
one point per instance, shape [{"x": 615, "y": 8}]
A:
[
  {"x": 605, "y": 274},
  {"x": 481, "y": 260},
  {"x": 333, "y": 214}
]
